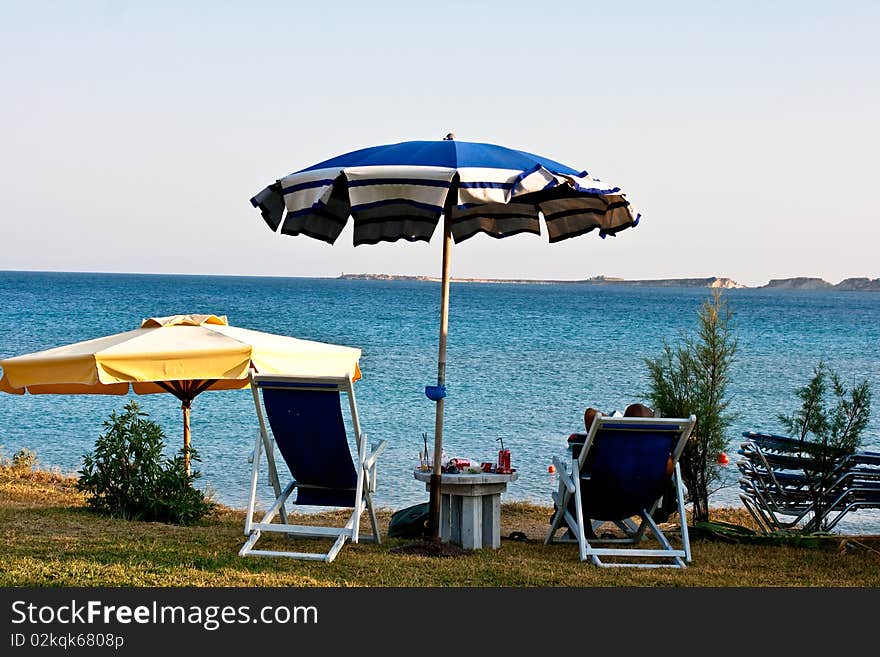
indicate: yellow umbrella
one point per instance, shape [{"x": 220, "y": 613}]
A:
[{"x": 181, "y": 354}]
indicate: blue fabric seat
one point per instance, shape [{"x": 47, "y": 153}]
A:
[
  {"x": 626, "y": 469},
  {"x": 310, "y": 434}
]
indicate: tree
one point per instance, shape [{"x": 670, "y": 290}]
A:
[
  {"x": 691, "y": 377},
  {"x": 827, "y": 434}
]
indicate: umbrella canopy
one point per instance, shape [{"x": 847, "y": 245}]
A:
[
  {"x": 181, "y": 354},
  {"x": 400, "y": 191}
]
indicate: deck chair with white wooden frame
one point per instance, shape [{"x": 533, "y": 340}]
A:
[
  {"x": 620, "y": 473},
  {"x": 307, "y": 425}
]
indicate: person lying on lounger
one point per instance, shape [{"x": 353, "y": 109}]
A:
[{"x": 633, "y": 410}]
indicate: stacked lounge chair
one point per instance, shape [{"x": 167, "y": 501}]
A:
[{"x": 783, "y": 478}]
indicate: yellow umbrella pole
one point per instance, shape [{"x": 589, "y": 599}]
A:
[
  {"x": 187, "y": 403},
  {"x": 186, "y": 391}
]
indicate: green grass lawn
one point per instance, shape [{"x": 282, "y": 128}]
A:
[{"x": 49, "y": 538}]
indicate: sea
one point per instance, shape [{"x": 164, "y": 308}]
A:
[{"x": 524, "y": 361}]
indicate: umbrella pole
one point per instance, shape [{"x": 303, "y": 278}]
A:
[
  {"x": 186, "y": 406},
  {"x": 434, "y": 490}
]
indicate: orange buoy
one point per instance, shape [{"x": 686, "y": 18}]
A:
[
  {"x": 723, "y": 459},
  {"x": 552, "y": 468}
]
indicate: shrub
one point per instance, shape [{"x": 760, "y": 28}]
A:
[
  {"x": 127, "y": 476},
  {"x": 691, "y": 378},
  {"x": 827, "y": 433},
  {"x": 24, "y": 460}
]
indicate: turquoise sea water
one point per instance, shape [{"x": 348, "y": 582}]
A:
[{"x": 524, "y": 362}]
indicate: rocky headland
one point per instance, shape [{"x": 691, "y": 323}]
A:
[
  {"x": 797, "y": 284},
  {"x": 711, "y": 281},
  {"x": 859, "y": 284}
]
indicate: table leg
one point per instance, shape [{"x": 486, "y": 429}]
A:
[
  {"x": 471, "y": 522},
  {"x": 446, "y": 520},
  {"x": 455, "y": 518},
  {"x": 492, "y": 521}
]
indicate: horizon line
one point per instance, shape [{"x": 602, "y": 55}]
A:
[{"x": 432, "y": 277}]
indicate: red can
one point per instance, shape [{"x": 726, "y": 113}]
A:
[{"x": 504, "y": 459}]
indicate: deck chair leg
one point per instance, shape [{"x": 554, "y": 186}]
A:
[
  {"x": 579, "y": 519},
  {"x": 571, "y": 526},
  {"x": 273, "y": 474},
  {"x": 682, "y": 515},
  {"x": 554, "y": 522},
  {"x": 560, "y": 497},
  {"x": 333, "y": 551},
  {"x": 362, "y": 482},
  {"x": 554, "y": 525},
  {"x": 249, "y": 544},
  {"x": 255, "y": 475},
  {"x": 340, "y": 540},
  {"x": 374, "y": 521}
]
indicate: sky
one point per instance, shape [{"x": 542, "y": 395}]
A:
[{"x": 133, "y": 134}]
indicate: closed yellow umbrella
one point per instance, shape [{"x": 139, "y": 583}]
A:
[{"x": 181, "y": 354}]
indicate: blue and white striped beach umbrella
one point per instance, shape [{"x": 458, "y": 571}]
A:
[{"x": 400, "y": 191}]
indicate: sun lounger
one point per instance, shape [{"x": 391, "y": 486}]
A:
[
  {"x": 306, "y": 421},
  {"x": 621, "y": 474}
]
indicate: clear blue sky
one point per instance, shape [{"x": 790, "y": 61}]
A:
[{"x": 134, "y": 133}]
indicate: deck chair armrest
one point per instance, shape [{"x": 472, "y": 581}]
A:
[
  {"x": 566, "y": 478},
  {"x": 376, "y": 450},
  {"x": 559, "y": 464}
]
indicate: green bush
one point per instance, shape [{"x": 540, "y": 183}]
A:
[{"x": 128, "y": 476}]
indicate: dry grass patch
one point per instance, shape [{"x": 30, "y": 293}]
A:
[
  {"x": 26, "y": 488},
  {"x": 48, "y": 538}
]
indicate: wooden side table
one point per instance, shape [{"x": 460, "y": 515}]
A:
[{"x": 470, "y": 507}]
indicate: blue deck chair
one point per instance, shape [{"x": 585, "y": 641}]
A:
[
  {"x": 305, "y": 417},
  {"x": 619, "y": 474}
]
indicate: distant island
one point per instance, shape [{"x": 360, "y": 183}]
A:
[
  {"x": 800, "y": 283},
  {"x": 847, "y": 284}
]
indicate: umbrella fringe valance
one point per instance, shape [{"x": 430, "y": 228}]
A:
[{"x": 406, "y": 212}]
